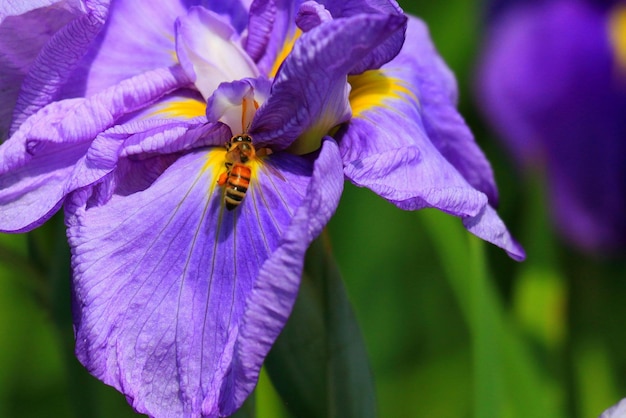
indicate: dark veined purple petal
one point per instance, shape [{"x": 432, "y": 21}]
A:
[
  {"x": 424, "y": 72},
  {"x": 309, "y": 95},
  {"x": 347, "y": 8},
  {"x": 167, "y": 281},
  {"x": 39, "y": 51},
  {"x": 389, "y": 47}
]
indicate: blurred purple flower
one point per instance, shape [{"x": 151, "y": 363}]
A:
[
  {"x": 552, "y": 82},
  {"x": 177, "y": 300},
  {"x": 616, "y": 411}
]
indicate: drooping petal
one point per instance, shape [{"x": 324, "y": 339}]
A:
[
  {"x": 163, "y": 323},
  {"x": 323, "y": 57},
  {"x": 488, "y": 226},
  {"x": 424, "y": 72},
  {"x": 389, "y": 152},
  {"x": 209, "y": 51},
  {"x": 387, "y": 147},
  {"x": 47, "y": 61}
]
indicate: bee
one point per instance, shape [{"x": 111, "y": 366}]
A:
[{"x": 240, "y": 152}]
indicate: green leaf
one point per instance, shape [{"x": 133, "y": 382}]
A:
[
  {"x": 508, "y": 380},
  {"x": 319, "y": 363}
]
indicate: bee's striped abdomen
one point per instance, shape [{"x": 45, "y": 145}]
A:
[{"x": 237, "y": 185}]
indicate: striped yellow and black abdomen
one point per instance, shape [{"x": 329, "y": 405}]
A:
[{"x": 237, "y": 185}]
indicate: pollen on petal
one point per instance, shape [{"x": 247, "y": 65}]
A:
[{"x": 372, "y": 88}]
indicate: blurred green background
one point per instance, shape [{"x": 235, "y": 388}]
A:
[{"x": 453, "y": 327}]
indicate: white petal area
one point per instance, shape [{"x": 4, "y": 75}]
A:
[{"x": 209, "y": 50}]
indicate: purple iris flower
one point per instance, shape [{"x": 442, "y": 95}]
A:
[
  {"x": 122, "y": 117},
  {"x": 553, "y": 84}
]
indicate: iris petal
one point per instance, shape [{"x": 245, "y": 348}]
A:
[
  {"x": 54, "y": 63},
  {"x": 312, "y": 14},
  {"x": 161, "y": 325},
  {"x": 138, "y": 37},
  {"x": 209, "y": 51},
  {"x": 33, "y": 176},
  {"x": 397, "y": 143},
  {"x": 274, "y": 293},
  {"x": 420, "y": 66},
  {"x": 488, "y": 226},
  {"x": 388, "y": 47},
  {"x": 320, "y": 57},
  {"x": 101, "y": 111},
  {"x": 235, "y": 103},
  {"x": 37, "y": 24},
  {"x": 271, "y": 28},
  {"x": 390, "y": 153}
]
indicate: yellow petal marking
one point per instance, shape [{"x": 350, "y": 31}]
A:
[
  {"x": 373, "y": 88},
  {"x": 286, "y": 50},
  {"x": 181, "y": 108}
]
